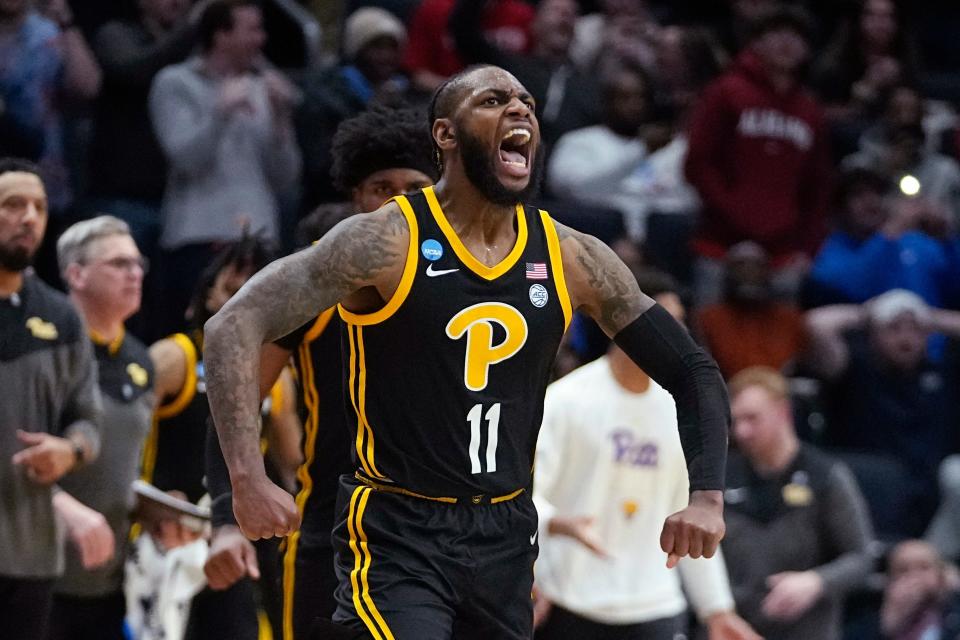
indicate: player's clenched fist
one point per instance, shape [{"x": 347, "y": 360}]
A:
[
  {"x": 695, "y": 531},
  {"x": 264, "y": 510}
]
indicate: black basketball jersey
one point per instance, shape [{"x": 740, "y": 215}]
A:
[
  {"x": 327, "y": 439},
  {"x": 173, "y": 457},
  {"x": 445, "y": 383}
]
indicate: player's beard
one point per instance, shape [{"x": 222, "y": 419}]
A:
[
  {"x": 15, "y": 258},
  {"x": 481, "y": 171}
]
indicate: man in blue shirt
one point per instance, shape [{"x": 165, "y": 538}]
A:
[{"x": 881, "y": 244}]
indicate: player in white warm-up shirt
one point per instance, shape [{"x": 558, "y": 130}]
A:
[{"x": 609, "y": 469}]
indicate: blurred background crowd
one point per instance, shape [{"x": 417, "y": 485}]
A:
[{"x": 793, "y": 167}]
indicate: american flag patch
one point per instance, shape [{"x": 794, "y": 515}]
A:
[{"x": 536, "y": 271}]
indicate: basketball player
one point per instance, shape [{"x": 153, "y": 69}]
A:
[
  {"x": 173, "y": 458},
  {"x": 378, "y": 154},
  {"x": 454, "y": 301}
]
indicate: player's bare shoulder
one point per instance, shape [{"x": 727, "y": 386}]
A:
[
  {"x": 367, "y": 249},
  {"x": 169, "y": 364},
  {"x": 598, "y": 282}
]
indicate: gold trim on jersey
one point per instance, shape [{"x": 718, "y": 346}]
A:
[
  {"x": 467, "y": 258},
  {"x": 362, "y": 400},
  {"x": 318, "y": 327},
  {"x": 478, "y": 499},
  {"x": 148, "y": 460},
  {"x": 401, "y": 491},
  {"x": 359, "y": 576},
  {"x": 276, "y": 400},
  {"x": 556, "y": 262},
  {"x": 311, "y": 399},
  {"x": 113, "y": 346},
  {"x": 406, "y": 280},
  {"x": 509, "y": 496},
  {"x": 189, "y": 388},
  {"x": 358, "y": 399}
]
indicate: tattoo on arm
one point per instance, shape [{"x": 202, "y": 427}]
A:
[
  {"x": 353, "y": 255},
  {"x": 602, "y": 285},
  {"x": 361, "y": 251}
]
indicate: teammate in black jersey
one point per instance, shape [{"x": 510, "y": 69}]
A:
[
  {"x": 377, "y": 154},
  {"x": 173, "y": 458},
  {"x": 455, "y": 300}
]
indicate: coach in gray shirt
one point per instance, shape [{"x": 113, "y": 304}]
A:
[
  {"x": 49, "y": 406},
  {"x": 798, "y": 531},
  {"x": 104, "y": 270}
]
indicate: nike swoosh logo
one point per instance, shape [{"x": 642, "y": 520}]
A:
[
  {"x": 533, "y": 538},
  {"x": 431, "y": 273}
]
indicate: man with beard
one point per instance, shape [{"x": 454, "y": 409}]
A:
[
  {"x": 454, "y": 300},
  {"x": 749, "y": 327},
  {"x": 48, "y": 411},
  {"x": 378, "y": 154}
]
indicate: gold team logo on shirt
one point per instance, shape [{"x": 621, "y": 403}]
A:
[
  {"x": 137, "y": 373},
  {"x": 41, "y": 328},
  {"x": 797, "y": 495},
  {"x": 476, "y": 322}
]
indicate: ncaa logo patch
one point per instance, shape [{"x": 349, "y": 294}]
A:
[
  {"x": 538, "y": 295},
  {"x": 431, "y": 250}
]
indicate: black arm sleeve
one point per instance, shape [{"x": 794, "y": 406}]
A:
[
  {"x": 660, "y": 346},
  {"x": 218, "y": 481}
]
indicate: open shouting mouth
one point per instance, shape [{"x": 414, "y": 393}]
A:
[{"x": 515, "y": 152}]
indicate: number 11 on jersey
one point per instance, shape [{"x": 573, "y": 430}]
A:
[{"x": 475, "y": 417}]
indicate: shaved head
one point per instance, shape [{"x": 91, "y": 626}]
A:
[
  {"x": 483, "y": 122},
  {"x": 445, "y": 100},
  {"x": 450, "y": 95}
]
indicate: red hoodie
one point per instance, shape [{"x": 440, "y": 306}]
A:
[
  {"x": 761, "y": 163},
  {"x": 506, "y": 23}
]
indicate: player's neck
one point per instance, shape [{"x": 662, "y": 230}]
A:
[
  {"x": 470, "y": 213},
  {"x": 10, "y": 282},
  {"x": 628, "y": 375}
]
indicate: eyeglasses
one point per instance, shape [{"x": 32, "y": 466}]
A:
[{"x": 126, "y": 263}]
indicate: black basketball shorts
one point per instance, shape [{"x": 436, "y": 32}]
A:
[{"x": 411, "y": 568}]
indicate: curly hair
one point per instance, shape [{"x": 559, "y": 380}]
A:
[
  {"x": 249, "y": 253},
  {"x": 378, "y": 139}
]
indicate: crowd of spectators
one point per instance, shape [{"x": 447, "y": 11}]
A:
[{"x": 794, "y": 165}]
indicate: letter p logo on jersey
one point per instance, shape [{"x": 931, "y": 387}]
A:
[{"x": 477, "y": 323}]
